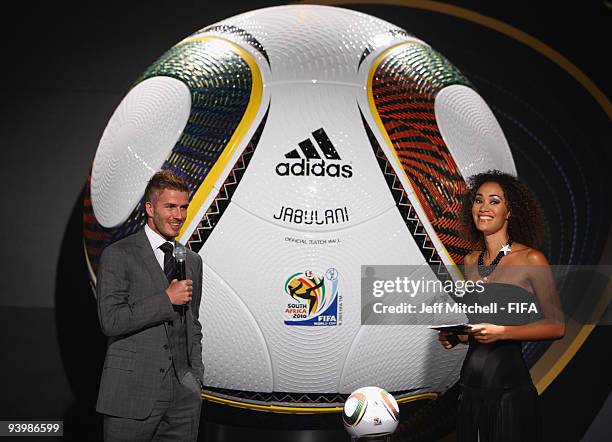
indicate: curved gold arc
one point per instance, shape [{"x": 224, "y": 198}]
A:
[
  {"x": 300, "y": 410},
  {"x": 558, "y": 355},
  {"x": 383, "y": 131},
  {"x": 245, "y": 124},
  {"x": 498, "y": 26},
  {"x": 417, "y": 397}
]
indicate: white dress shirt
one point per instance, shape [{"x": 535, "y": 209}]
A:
[{"x": 156, "y": 240}]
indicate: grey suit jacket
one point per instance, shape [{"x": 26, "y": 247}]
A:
[{"x": 133, "y": 308}]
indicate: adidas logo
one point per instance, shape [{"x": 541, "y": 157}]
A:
[{"x": 311, "y": 163}]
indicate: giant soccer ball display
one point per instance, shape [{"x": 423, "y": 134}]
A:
[{"x": 315, "y": 140}]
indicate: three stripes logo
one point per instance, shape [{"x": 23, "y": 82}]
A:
[{"x": 310, "y": 161}]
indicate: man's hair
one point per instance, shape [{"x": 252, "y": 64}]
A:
[{"x": 164, "y": 179}]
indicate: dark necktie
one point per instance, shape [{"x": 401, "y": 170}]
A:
[{"x": 168, "y": 248}]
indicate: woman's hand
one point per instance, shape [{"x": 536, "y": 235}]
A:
[
  {"x": 487, "y": 333},
  {"x": 447, "y": 339}
]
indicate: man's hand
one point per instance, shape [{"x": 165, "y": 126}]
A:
[{"x": 180, "y": 292}]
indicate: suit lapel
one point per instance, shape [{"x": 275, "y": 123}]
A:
[
  {"x": 189, "y": 272},
  {"x": 152, "y": 265},
  {"x": 189, "y": 269},
  {"x": 150, "y": 262}
]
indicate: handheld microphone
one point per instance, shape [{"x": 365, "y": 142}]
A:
[{"x": 180, "y": 255}]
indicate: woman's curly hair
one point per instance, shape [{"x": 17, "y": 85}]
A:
[{"x": 525, "y": 224}]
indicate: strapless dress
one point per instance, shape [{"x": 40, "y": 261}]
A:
[{"x": 498, "y": 401}]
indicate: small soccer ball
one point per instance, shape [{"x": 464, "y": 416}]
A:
[{"x": 370, "y": 411}]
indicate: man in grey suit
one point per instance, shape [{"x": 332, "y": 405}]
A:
[{"x": 151, "y": 382}]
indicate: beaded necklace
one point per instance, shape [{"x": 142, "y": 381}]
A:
[{"x": 485, "y": 271}]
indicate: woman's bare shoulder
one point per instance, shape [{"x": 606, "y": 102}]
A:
[{"x": 525, "y": 255}]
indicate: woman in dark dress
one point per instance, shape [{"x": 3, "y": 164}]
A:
[{"x": 498, "y": 401}]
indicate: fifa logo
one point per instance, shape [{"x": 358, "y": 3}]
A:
[
  {"x": 314, "y": 299},
  {"x": 311, "y": 163}
]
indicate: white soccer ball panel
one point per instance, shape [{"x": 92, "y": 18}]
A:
[
  {"x": 328, "y": 51},
  {"x": 312, "y": 359},
  {"x": 296, "y": 111},
  {"x": 350, "y": 405},
  {"x": 137, "y": 140},
  {"x": 419, "y": 361},
  {"x": 471, "y": 132},
  {"x": 228, "y": 327}
]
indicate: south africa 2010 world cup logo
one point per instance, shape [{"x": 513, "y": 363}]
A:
[{"x": 315, "y": 299}]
